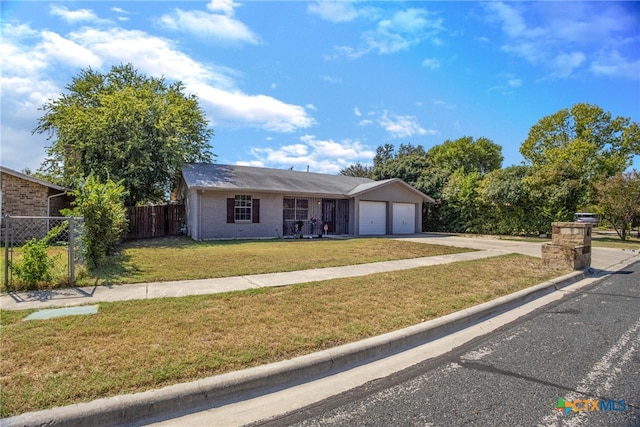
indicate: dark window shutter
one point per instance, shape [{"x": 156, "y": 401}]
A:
[
  {"x": 255, "y": 212},
  {"x": 231, "y": 215}
]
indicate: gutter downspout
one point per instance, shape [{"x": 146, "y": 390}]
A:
[
  {"x": 199, "y": 194},
  {"x": 49, "y": 201},
  {"x": 49, "y": 205}
]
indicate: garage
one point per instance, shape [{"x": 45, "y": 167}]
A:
[
  {"x": 372, "y": 218},
  {"x": 404, "y": 218}
]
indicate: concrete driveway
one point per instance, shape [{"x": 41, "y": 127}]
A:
[{"x": 601, "y": 258}]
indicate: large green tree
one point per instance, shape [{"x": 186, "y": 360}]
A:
[
  {"x": 618, "y": 200},
  {"x": 506, "y": 206},
  {"x": 460, "y": 210},
  {"x": 407, "y": 163},
  {"x": 124, "y": 126},
  {"x": 557, "y": 191},
  {"x": 480, "y": 155},
  {"x": 586, "y": 138}
]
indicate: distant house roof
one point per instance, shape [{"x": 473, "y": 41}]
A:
[
  {"x": 24, "y": 176},
  {"x": 211, "y": 176}
]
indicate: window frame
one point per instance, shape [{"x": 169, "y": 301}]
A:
[{"x": 243, "y": 208}]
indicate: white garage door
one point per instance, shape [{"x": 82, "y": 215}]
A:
[
  {"x": 404, "y": 218},
  {"x": 372, "y": 218}
]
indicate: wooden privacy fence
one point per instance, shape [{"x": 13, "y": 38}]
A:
[{"x": 154, "y": 221}]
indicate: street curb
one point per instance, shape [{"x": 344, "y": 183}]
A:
[{"x": 182, "y": 399}]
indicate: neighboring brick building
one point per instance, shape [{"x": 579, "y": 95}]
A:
[
  {"x": 25, "y": 195},
  {"x": 30, "y": 196}
]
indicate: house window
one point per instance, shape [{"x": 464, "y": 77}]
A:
[
  {"x": 296, "y": 209},
  {"x": 242, "y": 208}
]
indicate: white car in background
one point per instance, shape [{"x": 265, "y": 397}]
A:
[{"x": 586, "y": 217}]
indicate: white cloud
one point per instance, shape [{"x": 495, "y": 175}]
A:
[
  {"x": 75, "y": 16},
  {"x": 398, "y": 31},
  {"x": 513, "y": 82},
  {"x": 323, "y": 156},
  {"x": 613, "y": 64},
  {"x": 334, "y": 11},
  {"x": 443, "y": 104},
  {"x": 225, "y": 6},
  {"x": 150, "y": 54},
  {"x": 215, "y": 87},
  {"x": 333, "y": 80},
  {"x": 403, "y": 126},
  {"x": 210, "y": 26},
  {"x": 563, "y": 38},
  {"x": 36, "y": 66},
  {"x": 28, "y": 153},
  {"x": 251, "y": 110},
  {"x": 123, "y": 14},
  {"x": 403, "y": 30},
  {"x": 564, "y": 64},
  {"x": 67, "y": 51},
  {"x": 508, "y": 82},
  {"x": 431, "y": 63},
  {"x": 512, "y": 20},
  {"x": 18, "y": 59},
  {"x": 345, "y": 51},
  {"x": 357, "y": 112}
]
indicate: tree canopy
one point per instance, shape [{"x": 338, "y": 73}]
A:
[
  {"x": 124, "y": 126},
  {"x": 586, "y": 138},
  {"x": 408, "y": 163},
  {"x": 618, "y": 199},
  {"x": 358, "y": 170},
  {"x": 481, "y": 155}
]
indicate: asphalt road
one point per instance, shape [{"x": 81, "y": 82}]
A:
[{"x": 584, "y": 348}]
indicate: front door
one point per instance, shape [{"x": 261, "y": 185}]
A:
[{"x": 329, "y": 215}]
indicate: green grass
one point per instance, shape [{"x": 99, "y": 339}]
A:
[
  {"x": 598, "y": 240},
  {"x": 614, "y": 242},
  {"x": 140, "y": 345},
  {"x": 180, "y": 258}
]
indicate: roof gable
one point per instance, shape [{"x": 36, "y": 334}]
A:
[{"x": 371, "y": 186}]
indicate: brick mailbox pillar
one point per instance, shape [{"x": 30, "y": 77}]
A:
[{"x": 570, "y": 246}]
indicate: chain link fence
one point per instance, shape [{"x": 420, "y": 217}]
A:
[{"x": 59, "y": 241}]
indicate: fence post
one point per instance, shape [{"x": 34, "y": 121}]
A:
[
  {"x": 6, "y": 252},
  {"x": 72, "y": 272}
]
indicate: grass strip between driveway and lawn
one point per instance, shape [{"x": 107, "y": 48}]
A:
[{"x": 135, "y": 346}]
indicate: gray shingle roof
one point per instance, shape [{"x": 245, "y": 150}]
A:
[
  {"x": 235, "y": 177},
  {"x": 211, "y": 176}
]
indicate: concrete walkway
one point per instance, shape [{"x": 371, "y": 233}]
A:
[{"x": 602, "y": 259}]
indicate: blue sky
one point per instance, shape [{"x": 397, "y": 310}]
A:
[{"x": 322, "y": 84}]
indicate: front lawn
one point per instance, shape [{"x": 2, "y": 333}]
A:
[
  {"x": 134, "y": 346},
  {"x": 180, "y": 258}
]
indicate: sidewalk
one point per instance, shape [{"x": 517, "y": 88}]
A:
[
  {"x": 602, "y": 259},
  {"x": 90, "y": 295}
]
